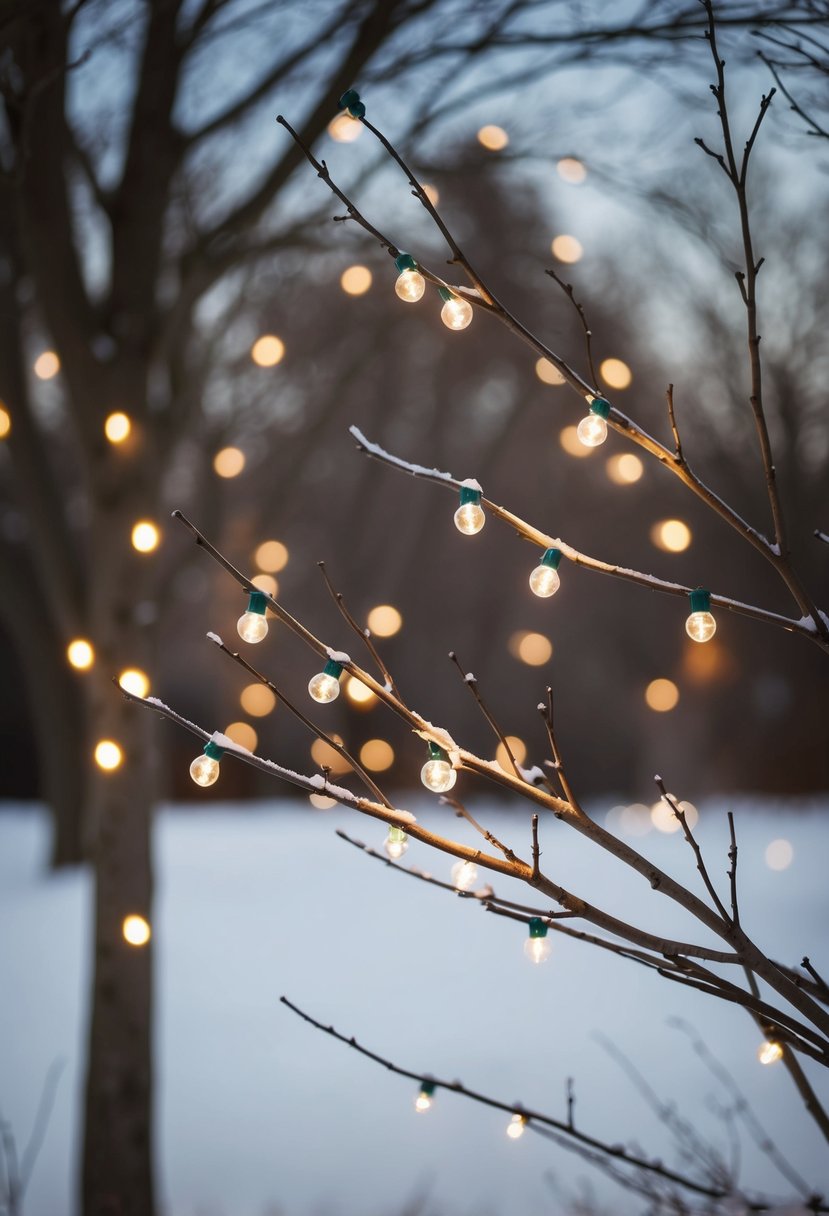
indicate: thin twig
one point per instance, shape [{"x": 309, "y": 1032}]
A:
[
  {"x": 462, "y": 813},
  {"x": 669, "y": 394},
  {"x": 472, "y": 684},
  {"x": 546, "y": 712},
  {"x": 816, "y": 976},
  {"x": 536, "y": 875},
  {"x": 567, "y": 288},
  {"x": 363, "y": 634},
  {"x": 732, "y": 873},
  {"x": 689, "y": 836}
]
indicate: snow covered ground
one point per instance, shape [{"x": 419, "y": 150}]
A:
[{"x": 258, "y": 1113}]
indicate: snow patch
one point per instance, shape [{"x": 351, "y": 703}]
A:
[
  {"x": 214, "y": 637},
  {"x": 338, "y": 656},
  {"x": 469, "y": 483},
  {"x": 418, "y": 470},
  {"x": 229, "y": 745}
]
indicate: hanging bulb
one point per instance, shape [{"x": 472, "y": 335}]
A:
[
  {"x": 592, "y": 430},
  {"x": 700, "y": 625},
  {"x": 769, "y": 1052},
  {"x": 544, "y": 580},
  {"x": 536, "y": 947},
  {"x": 396, "y": 844},
  {"x": 205, "y": 768},
  {"x": 325, "y": 686},
  {"x": 252, "y": 625},
  {"x": 437, "y": 773},
  {"x": 423, "y": 1101},
  {"x": 464, "y": 875},
  {"x": 410, "y": 283},
  {"x": 456, "y": 313},
  {"x": 470, "y": 517},
  {"x": 515, "y": 1127}
]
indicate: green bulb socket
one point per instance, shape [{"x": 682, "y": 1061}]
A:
[
  {"x": 537, "y": 927},
  {"x": 446, "y": 294},
  {"x": 333, "y": 669},
  {"x": 258, "y": 602},
  {"x": 551, "y": 558},
  {"x": 397, "y": 836},
  {"x": 213, "y": 750},
  {"x": 436, "y": 752},
  {"x": 349, "y": 98},
  {"x": 700, "y": 600},
  {"x": 601, "y": 407},
  {"x": 427, "y": 1088},
  {"x": 405, "y": 261},
  {"x": 470, "y": 495}
]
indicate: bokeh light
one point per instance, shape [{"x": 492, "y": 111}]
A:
[
  {"x": 136, "y": 930},
  {"x": 571, "y": 170},
  {"x": 664, "y": 819},
  {"x": 344, "y": 128},
  {"x": 377, "y": 755},
  {"x": 671, "y": 535},
  {"x": 145, "y": 536},
  {"x": 271, "y": 556},
  {"x": 493, "y": 138},
  {"x": 769, "y": 1052},
  {"x": 328, "y": 757},
  {"x": 322, "y": 802},
  {"x": 518, "y": 748},
  {"x": 243, "y": 734},
  {"x": 356, "y": 280},
  {"x": 134, "y": 680},
  {"x": 573, "y": 446},
  {"x": 662, "y": 696},
  {"x": 46, "y": 365},
  {"x": 625, "y": 469},
  {"x": 384, "y": 620},
  {"x": 567, "y": 249},
  {"x": 108, "y": 755},
  {"x": 80, "y": 654},
  {"x": 266, "y": 583},
  {"x": 534, "y": 649},
  {"x": 257, "y": 700},
  {"x": 548, "y": 373},
  {"x": 431, "y": 193},
  {"x": 779, "y": 854},
  {"x": 267, "y": 351},
  {"x": 359, "y": 693},
  {"x": 615, "y": 372},
  {"x": 5, "y": 422},
  {"x": 117, "y": 427}
]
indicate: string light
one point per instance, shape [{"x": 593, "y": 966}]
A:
[
  {"x": 205, "y": 768},
  {"x": 592, "y": 430},
  {"x": 410, "y": 283},
  {"x": 770, "y": 1052},
  {"x": 456, "y": 313},
  {"x": 396, "y": 844},
  {"x": 536, "y": 947},
  {"x": 544, "y": 580},
  {"x": 464, "y": 875},
  {"x": 469, "y": 517},
  {"x": 325, "y": 686},
  {"x": 252, "y": 625},
  {"x": 700, "y": 625},
  {"x": 516, "y": 1126},
  {"x": 437, "y": 773},
  {"x": 423, "y": 1101}
]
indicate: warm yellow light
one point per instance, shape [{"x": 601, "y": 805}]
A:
[
  {"x": 47, "y": 365},
  {"x": 80, "y": 654},
  {"x": 661, "y": 696},
  {"x": 384, "y": 620},
  {"x": 358, "y": 692},
  {"x": 664, "y": 819},
  {"x": 356, "y": 280},
  {"x": 267, "y": 351},
  {"x": 257, "y": 700},
  {"x": 328, "y": 757},
  {"x": 493, "y": 138},
  {"x": 134, "y": 680},
  {"x": 5, "y": 422},
  {"x": 271, "y": 556},
  {"x": 377, "y": 755},
  {"x": 243, "y": 734},
  {"x": 322, "y": 802},
  {"x": 548, "y": 373},
  {"x": 615, "y": 373},
  {"x": 431, "y": 193},
  {"x": 344, "y": 128},
  {"x": 145, "y": 536},
  {"x": 518, "y": 748},
  {"x": 769, "y": 1052},
  {"x": 779, "y": 855},
  {"x": 571, "y": 170},
  {"x": 517, "y": 1124},
  {"x": 136, "y": 930},
  {"x": 229, "y": 462},
  {"x": 117, "y": 427},
  {"x": 624, "y": 470},
  {"x": 531, "y": 648},
  {"x": 266, "y": 583},
  {"x": 567, "y": 249},
  {"x": 672, "y": 535},
  {"x": 108, "y": 755},
  {"x": 573, "y": 446}
]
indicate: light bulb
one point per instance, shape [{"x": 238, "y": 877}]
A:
[
  {"x": 205, "y": 768},
  {"x": 423, "y": 1101},
  {"x": 544, "y": 580},
  {"x": 700, "y": 625},
  {"x": 396, "y": 844},
  {"x": 252, "y": 624},
  {"x": 536, "y": 947},
  {"x": 515, "y": 1127},
  {"x": 410, "y": 283},
  {"x": 592, "y": 430},
  {"x": 456, "y": 313},
  {"x": 470, "y": 517},
  {"x": 437, "y": 773},
  {"x": 325, "y": 687},
  {"x": 769, "y": 1052},
  {"x": 464, "y": 875}
]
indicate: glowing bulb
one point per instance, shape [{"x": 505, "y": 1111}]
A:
[
  {"x": 770, "y": 1052},
  {"x": 592, "y": 430},
  {"x": 423, "y": 1101},
  {"x": 136, "y": 930},
  {"x": 437, "y": 773},
  {"x": 536, "y": 947},
  {"x": 544, "y": 580},
  {"x": 456, "y": 313},
  {"x": 464, "y": 875},
  {"x": 515, "y": 1127},
  {"x": 252, "y": 625},
  {"x": 700, "y": 625},
  {"x": 396, "y": 844},
  {"x": 80, "y": 654},
  {"x": 325, "y": 686},
  {"x": 469, "y": 517},
  {"x": 205, "y": 768},
  {"x": 410, "y": 283}
]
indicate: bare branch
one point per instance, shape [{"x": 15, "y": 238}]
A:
[{"x": 363, "y": 634}]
